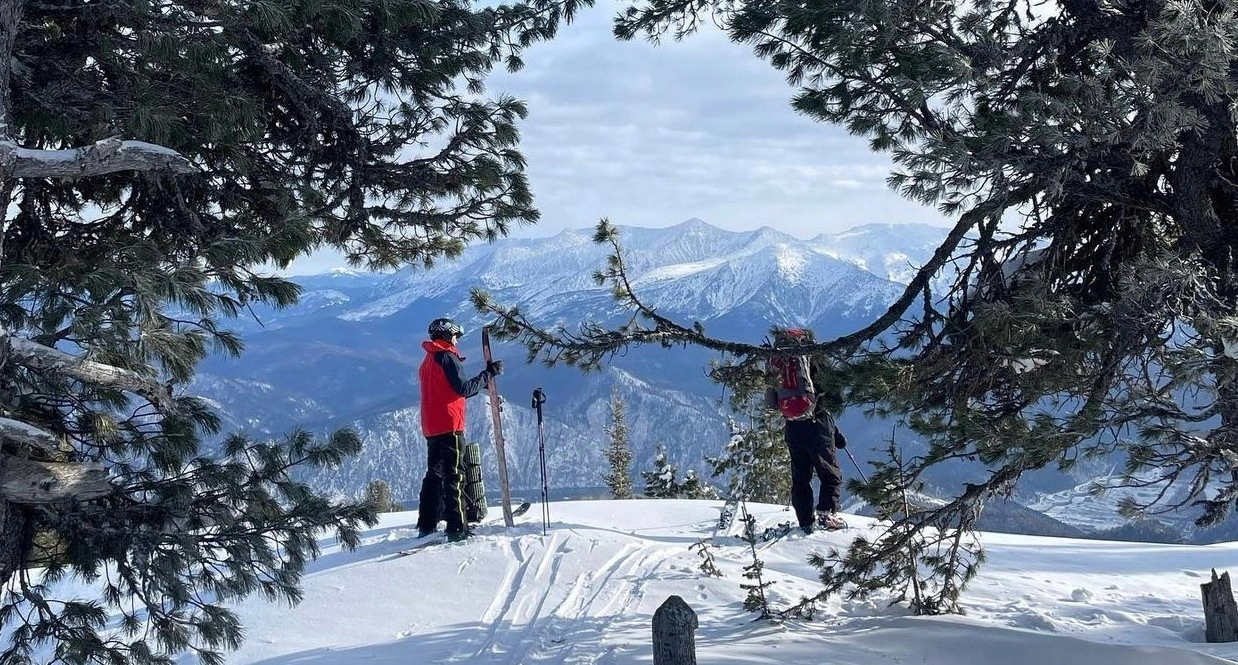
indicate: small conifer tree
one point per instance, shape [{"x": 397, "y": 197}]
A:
[
  {"x": 755, "y": 459},
  {"x": 378, "y": 495},
  {"x": 618, "y": 452},
  {"x": 665, "y": 482}
]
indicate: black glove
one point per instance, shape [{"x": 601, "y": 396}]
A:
[
  {"x": 494, "y": 367},
  {"x": 771, "y": 399},
  {"x": 840, "y": 441}
]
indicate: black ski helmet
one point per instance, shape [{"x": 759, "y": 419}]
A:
[{"x": 444, "y": 329}]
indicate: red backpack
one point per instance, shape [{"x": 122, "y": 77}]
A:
[{"x": 795, "y": 395}]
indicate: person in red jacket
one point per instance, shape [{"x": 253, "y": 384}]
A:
[{"x": 443, "y": 391}]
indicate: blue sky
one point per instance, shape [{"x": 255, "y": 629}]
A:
[{"x": 651, "y": 135}]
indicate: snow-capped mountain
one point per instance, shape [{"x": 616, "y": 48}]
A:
[
  {"x": 893, "y": 251},
  {"x": 345, "y": 354}
]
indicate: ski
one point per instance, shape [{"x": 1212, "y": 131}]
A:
[
  {"x": 730, "y": 510},
  {"x": 437, "y": 539},
  {"x": 497, "y": 415},
  {"x": 777, "y": 531},
  {"x": 727, "y": 517}
]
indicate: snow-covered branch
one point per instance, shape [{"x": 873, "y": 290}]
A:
[
  {"x": 44, "y": 358},
  {"x": 28, "y": 434},
  {"x": 106, "y": 156}
]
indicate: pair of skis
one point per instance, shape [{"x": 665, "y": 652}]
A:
[
  {"x": 496, "y": 413},
  {"x": 440, "y": 538}
]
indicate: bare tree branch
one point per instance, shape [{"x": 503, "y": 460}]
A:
[
  {"x": 106, "y": 156},
  {"x": 28, "y": 434},
  {"x": 36, "y": 356},
  {"x": 31, "y": 481}
]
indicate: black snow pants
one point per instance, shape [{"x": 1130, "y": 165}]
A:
[
  {"x": 442, "y": 489},
  {"x": 811, "y": 447}
]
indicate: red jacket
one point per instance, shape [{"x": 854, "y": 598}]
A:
[{"x": 444, "y": 389}]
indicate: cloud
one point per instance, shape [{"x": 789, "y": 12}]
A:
[{"x": 651, "y": 135}]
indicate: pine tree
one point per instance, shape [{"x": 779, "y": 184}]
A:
[
  {"x": 665, "y": 482},
  {"x": 1103, "y": 319},
  {"x": 618, "y": 452},
  {"x": 156, "y": 161},
  {"x": 755, "y": 461},
  {"x": 662, "y": 481},
  {"x": 378, "y": 495}
]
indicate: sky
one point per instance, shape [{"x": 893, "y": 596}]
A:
[
  {"x": 587, "y": 590},
  {"x": 650, "y": 136}
]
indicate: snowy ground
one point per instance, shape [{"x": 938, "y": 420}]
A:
[{"x": 586, "y": 593}]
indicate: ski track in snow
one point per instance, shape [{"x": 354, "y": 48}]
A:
[
  {"x": 533, "y": 607},
  {"x": 585, "y": 593}
]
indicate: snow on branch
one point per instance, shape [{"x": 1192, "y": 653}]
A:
[
  {"x": 102, "y": 157},
  {"x": 44, "y": 358},
  {"x": 28, "y": 434}
]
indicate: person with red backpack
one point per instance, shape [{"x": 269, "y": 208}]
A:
[
  {"x": 811, "y": 433},
  {"x": 443, "y": 392}
]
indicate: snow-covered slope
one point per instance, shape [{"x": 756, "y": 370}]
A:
[
  {"x": 893, "y": 251},
  {"x": 587, "y": 591}
]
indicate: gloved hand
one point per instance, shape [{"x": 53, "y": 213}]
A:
[
  {"x": 840, "y": 441},
  {"x": 494, "y": 367}
]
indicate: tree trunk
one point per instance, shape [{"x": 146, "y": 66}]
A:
[
  {"x": 16, "y": 536},
  {"x": 1220, "y": 610},
  {"x": 674, "y": 627}
]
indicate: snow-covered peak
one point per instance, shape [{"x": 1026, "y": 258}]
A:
[
  {"x": 724, "y": 268},
  {"x": 893, "y": 251}
]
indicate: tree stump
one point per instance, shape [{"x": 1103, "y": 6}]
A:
[
  {"x": 1220, "y": 610},
  {"x": 674, "y": 628}
]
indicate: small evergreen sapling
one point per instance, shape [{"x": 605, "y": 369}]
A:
[
  {"x": 665, "y": 482},
  {"x": 378, "y": 494},
  {"x": 755, "y": 600},
  {"x": 708, "y": 565},
  {"x": 618, "y": 452}
]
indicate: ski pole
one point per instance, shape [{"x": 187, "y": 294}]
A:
[
  {"x": 539, "y": 398},
  {"x": 857, "y": 465}
]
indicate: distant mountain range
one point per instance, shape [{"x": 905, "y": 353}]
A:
[{"x": 346, "y": 353}]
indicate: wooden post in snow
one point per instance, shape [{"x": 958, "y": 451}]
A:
[
  {"x": 674, "y": 628},
  {"x": 1220, "y": 610}
]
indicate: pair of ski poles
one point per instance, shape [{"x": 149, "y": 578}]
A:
[{"x": 539, "y": 398}]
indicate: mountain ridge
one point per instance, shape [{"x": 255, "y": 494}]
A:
[{"x": 347, "y": 353}]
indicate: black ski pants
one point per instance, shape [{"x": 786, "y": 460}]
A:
[
  {"x": 811, "y": 447},
  {"x": 442, "y": 490}
]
